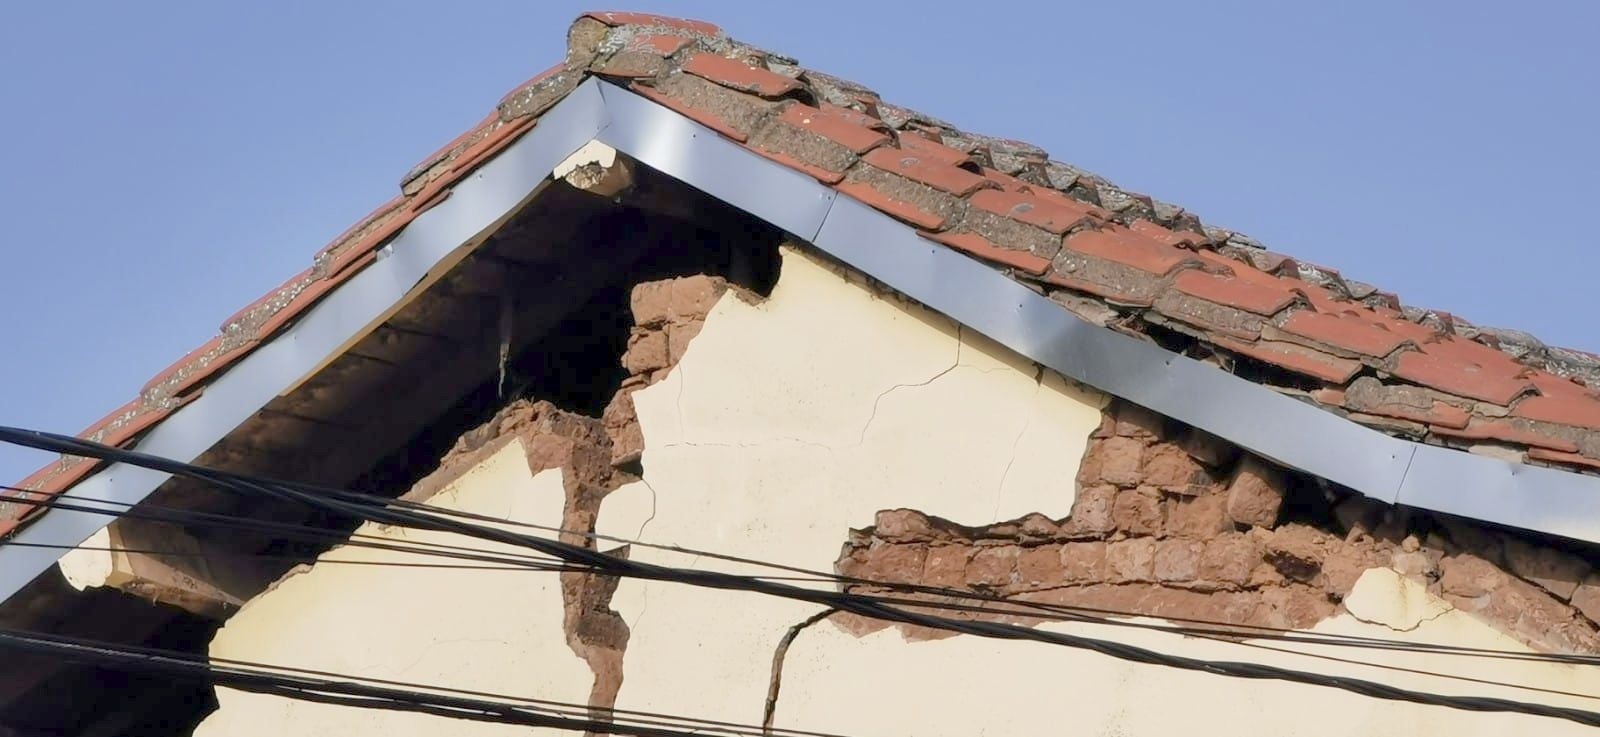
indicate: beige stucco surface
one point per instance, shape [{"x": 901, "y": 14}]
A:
[
  {"x": 494, "y": 631},
  {"x": 786, "y": 423}
]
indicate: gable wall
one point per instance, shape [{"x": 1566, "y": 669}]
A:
[{"x": 783, "y": 426}]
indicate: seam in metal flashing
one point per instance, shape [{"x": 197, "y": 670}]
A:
[
  {"x": 1252, "y": 416},
  {"x": 1273, "y": 425}
]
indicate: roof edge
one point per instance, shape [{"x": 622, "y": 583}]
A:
[{"x": 1255, "y": 417}]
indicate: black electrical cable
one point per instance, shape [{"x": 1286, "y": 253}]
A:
[
  {"x": 1055, "y": 612},
  {"x": 630, "y": 714},
  {"x": 325, "y": 687},
  {"x": 339, "y": 502}
]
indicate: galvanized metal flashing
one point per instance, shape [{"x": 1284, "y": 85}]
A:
[
  {"x": 480, "y": 201},
  {"x": 1288, "y": 431},
  {"x": 1254, "y": 417}
]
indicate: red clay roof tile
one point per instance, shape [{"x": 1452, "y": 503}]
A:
[
  {"x": 1505, "y": 432},
  {"x": 1563, "y": 410},
  {"x": 1456, "y": 377},
  {"x": 1344, "y": 332},
  {"x": 1117, "y": 244},
  {"x": 930, "y": 171},
  {"x": 1054, "y": 216},
  {"x": 1295, "y": 357},
  {"x": 1257, "y": 297},
  {"x": 615, "y": 18},
  {"x": 929, "y": 184},
  {"x": 740, "y": 76},
  {"x": 831, "y": 124},
  {"x": 1571, "y": 459},
  {"x": 980, "y": 247}
]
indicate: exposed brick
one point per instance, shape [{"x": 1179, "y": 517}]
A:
[
  {"x": 1553, "y": 570},
  {"x": 1200, "y": 516},
  {"x": 993, "y": 566},
  {"x": 1092, "y": 512},
  {"x": 1178, "y": 560},
  {"x": 1169, "y": 468},
  {"x": 1138, "y": 511},
  {"x": 1040, "y": 566},
  {"x": 895, "y": 563},
  {"x": 647, "y": 351},
  {"x": 1297, "y": 551},
  {"x": 946, "y": 566},
  {"x": 678, "y": 337},
  {"x": 1207, "y": 448},
  {"x": 1229, "y": 559},
  {"x": 1586, "y": 598},
  {"x": 1255, "y": 495},
  {"x": 1134, "y": 421},
  {"x": 1131, "y": 560},
  {"x": 1083, "y": 562},
  {"x": 1121, "y": 460},
  {"x": 907, "y": 525},
  {"x": 1469, "y": 576}
]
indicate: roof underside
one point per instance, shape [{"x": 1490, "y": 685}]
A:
[{"x": 1114, "y": 258}]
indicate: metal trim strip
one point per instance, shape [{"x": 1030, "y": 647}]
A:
[
  {"x": 1254, "y": 417},
  {"x": 479, "y": 202}
]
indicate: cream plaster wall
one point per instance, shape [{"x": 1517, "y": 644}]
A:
[
  {"x": 494, "y": 631},
  {"x": 786, "y": 423}
]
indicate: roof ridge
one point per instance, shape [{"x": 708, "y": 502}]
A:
[{"x": 1110, "y": 255}]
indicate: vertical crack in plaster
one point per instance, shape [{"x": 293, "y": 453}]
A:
[
  {"x": 1011, "y": 459},
  {"x": 775, "y": 681},
  {"x": 861, "y": 437}
]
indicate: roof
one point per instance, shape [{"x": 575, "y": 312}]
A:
[{"x": 1113, "y": 257}]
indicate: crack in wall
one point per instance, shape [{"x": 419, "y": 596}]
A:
[
  {"x": 1011, "y": 458},
  {"x": 775, "y": 679},
  {"x": 861, "y": 437}
]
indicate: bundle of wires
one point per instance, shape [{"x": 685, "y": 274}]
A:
[{"x": 834, "y": 597}]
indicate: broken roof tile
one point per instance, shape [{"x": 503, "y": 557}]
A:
[
  {"x": 1455, "y": 377},
  {"x": 1005, "y": 202},
  {"x": 930, "y": 171},
  {"x": 1505, "y": 431},
  {"x": 1118, "y": 244},
  {"x": 982, "y": 248},
  {"x": 1262, "y": 298},
  {"x": 716, "y": 107},
  {"x": 897, "y": 196},
  {"x": 1053, "y": 215},
  {"x": 1371, "y": 396},
  {"x": 1577, "y": 411},
  {"x": 833, "y": 123},
  {"x": 1294, "y": 357},
  {"x": 740, "y": 76},
  {"x": 1212, "y": 316},
  {"x": 1571, "y": 459},
  {"x": 1343, "y": 332},
  {"x": 613, "y": 18}
]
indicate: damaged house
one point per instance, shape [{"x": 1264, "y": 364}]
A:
[{"x": 681, "y": 292}]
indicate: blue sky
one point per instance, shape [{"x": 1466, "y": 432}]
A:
[{"x": 169, "y": 162}]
